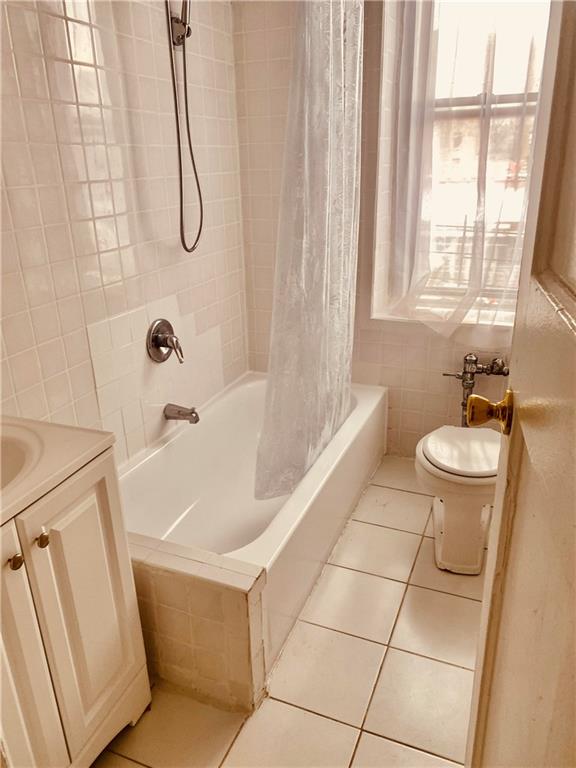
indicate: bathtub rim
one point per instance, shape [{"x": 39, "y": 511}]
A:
[{"x": 241, "y": 568}]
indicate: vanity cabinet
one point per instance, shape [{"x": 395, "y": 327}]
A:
[
  {"x": 31, "y": 728},
  {"x": 83, "y": 611}
]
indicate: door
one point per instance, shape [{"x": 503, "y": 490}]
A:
[
  {"x": 523, "y": 709},
  {"x": 31, "y": 729},
  {"x": 81, "y": 579}
]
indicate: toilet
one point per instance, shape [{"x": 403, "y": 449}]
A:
[{"x": 458, "y": 466}]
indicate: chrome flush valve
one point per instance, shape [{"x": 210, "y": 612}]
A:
[{"x": 497, "y": 367}]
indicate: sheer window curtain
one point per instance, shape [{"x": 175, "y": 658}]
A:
[
  {"x": 308, "y": 393},
  {"x": 458, "y": 95}
]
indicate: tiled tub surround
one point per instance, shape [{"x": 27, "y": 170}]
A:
[
  {"x": 192, "y": 497},
  {"x": 89, "y": 200},
  {"x": 377, "y": 672},
  {"x": 132, "y": 390},
  {"x": 202, "y": 621}
]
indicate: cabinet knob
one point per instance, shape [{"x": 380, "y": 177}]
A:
[
  {"x": 43, "y": 540},
  {"x": 16, "y": 561}
]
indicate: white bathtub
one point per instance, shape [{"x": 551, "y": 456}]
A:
[{"x": 197, "y": 490}]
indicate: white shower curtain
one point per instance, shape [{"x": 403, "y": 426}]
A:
[{"x": 308, "y": 393}]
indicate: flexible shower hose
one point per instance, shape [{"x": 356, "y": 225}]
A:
[{"x": 187, "y": 248}]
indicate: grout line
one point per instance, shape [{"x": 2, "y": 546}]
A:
[
  {"x": 391, "y": 527},
  {"x": 387, "y": 527},
  {"x": 432, "y": 658},
  {"x": 377, "y": 680},
  {"x": 119, "y": 754},
  {"x": 342, "y": 632},
  {"x": 404, "y": 490},
  {"x": 360, "y": 731},
  {"x": 238, "y": 732},
  {"x": 408, "y": 583},
  {"x": 443, "y": 592},
  {"x": 386, "y": 645},
  {"x": 313, "y": 712},
  {"x": 411, "y": 746}
]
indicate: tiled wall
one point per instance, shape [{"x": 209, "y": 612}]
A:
[
  {"x": 202, "y": 621},
  {"x": 263, "y": 50},
  {"x": 407, "y": 357},
  {"x": 89, "y": 205}
]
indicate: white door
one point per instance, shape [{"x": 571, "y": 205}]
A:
[
  {"x": 84, "y": 595},
  {"x": 524, "y": 708},
  {"x": 32, "y": 733}
]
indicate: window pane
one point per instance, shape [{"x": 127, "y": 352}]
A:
[{"x": 463, "y": 32}]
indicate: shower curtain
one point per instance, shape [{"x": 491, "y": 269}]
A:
[{"x": 308, "y": 394}]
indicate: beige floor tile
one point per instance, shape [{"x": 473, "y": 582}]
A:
[
  {"x": 430, "y": 528},
  {"x": 426, "y": 574},
  {"x": 397, "y": 472},
  {"x": 422, "y": 703},
  {"x": 376, "y": 752},
  {"x": 110, "y": 760},
  {"x": 327, "y": 672},
  {"x": 357, "y": 603},
  {"x": 179, "y": 731},
  {"x": 279, "y": 735},
  {"x": 372, "y": 549},
  {"x": 395, "y": 509},
  {"x": 442, "y": 626}
]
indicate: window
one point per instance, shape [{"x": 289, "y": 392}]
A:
[{"x": 470, "y": 117}]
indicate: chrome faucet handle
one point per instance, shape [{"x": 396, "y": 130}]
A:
[
  {"x": 161, "y": 341},
  {"x": 454, "y": 375},
  {"x": 173, "y": 342}
]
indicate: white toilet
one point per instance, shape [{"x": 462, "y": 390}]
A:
[{"x": 458, "y": 465}]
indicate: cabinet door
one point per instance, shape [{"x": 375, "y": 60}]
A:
[
  {"x": 84, "y": 595},
  {"x": 31, "y": 728}
]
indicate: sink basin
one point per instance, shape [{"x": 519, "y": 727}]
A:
[
  {"x": 20, "y": 450},
  {"x": 36, "y": 456},
  {"x": 12, "y": 459}
]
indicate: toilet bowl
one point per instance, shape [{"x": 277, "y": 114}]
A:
[{"x": 458, "y": 466}]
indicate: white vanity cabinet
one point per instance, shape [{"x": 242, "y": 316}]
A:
[
  {"x": 31, "y": 729},
  {"x": 74, "y": 667}
]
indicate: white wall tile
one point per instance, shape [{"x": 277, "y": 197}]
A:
[{"x": 86, "y": 177}]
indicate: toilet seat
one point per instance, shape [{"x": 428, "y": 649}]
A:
[{"x": 461, "y": 451}]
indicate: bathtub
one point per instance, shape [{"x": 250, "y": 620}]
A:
[{"x": 192, "y": 499}]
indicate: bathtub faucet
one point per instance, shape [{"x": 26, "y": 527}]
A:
[{"x": 179, "y": 413}]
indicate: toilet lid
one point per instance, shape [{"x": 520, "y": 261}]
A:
[{"x": 463, "y": 451}]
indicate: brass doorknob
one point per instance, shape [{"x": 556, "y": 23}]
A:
[{"x": 479, "y": 410}]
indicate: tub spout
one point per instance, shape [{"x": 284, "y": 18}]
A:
[{"x": 179, "y": 413}]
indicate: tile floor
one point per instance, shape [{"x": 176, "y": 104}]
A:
[{"x": 377, "y": 671}]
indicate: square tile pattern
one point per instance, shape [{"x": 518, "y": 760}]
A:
[
  {"x": 356, "y": 603},
  {"x": 377, "y": 671},
  {"x": 394, "y": 509},
  {"x": 423, "y": 703},
  {"x": 327, "y": 672},
  {"x": 373, "y": 549},
  {"x": 375, "y": 752},
  {"x": 279, "y": 734},
  {"x": 178, "y": 731}
]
